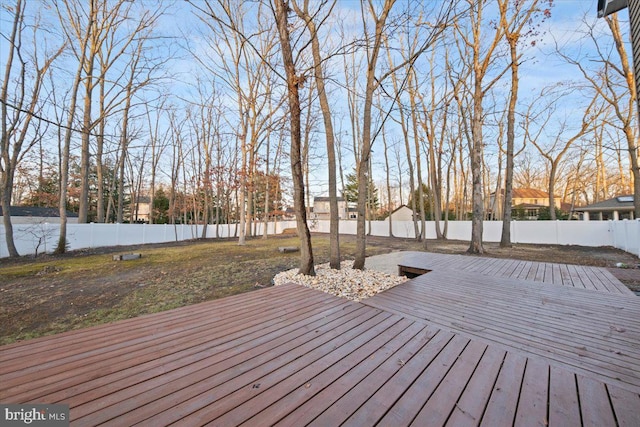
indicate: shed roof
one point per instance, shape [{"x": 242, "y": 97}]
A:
[{"x": 618, "y": 203}]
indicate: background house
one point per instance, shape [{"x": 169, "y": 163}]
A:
[
  {"x": 527, "y": 200},
  {"x": 140, "y": 212},
  {"x": 37, "y": 215},
  {"x": 321, "y": 208},
  {"x": 620, "y": 207}
]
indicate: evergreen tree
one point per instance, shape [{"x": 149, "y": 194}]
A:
[{"x": 351, "y": 191}]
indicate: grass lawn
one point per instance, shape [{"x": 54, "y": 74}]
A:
[{"x": 52, "y": 294}]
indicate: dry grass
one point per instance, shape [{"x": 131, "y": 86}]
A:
[{"x": 52, "y": 294}]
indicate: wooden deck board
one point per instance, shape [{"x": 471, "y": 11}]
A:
[
  {"x": 308, "y": 375},
  {"x": 187, "y": 393},
  {"x": 311, "y": 403},
  {"x": 474, "y": 399},
  {"x": 484, "y": 346},
  {"x": 532, "y": 404},
  {"x": 505, "y": 395},
  {"x": 591, "y": 338},
  {"x": 564, "y": 408},
  {"x": 595, "y": 278}
]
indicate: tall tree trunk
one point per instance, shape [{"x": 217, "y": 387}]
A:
[
  {"x": 17, "y": 126},
  {"x": 265, "y": 222},
  {"x": 418, "y": 159},
  {"x": 365, "y": 152},
  {"x": 293, "y": 82},
  {"x": 64, "y": 172},
  {"x": 334, "y": 224},
  {"x": 476, "y": 246},
  {"x": 7, "y": 173},
  {"x": 100, "y": 218},
  {"x": 388, "y": 181},
  {"x": 83, "y": 205},
  {"x": 551, "y": 188}
]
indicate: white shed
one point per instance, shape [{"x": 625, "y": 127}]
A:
[{"x": 402, "y": 213}]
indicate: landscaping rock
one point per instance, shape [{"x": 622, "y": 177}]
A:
[
  {"x": 346, "y": 283},
  {"x": 126, "y": 257},
  {"x": 287, "y": 249}
]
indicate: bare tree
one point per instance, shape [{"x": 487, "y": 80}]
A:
[
  {"x": 294, "y": 80},
  {"x": 307, "y": 17},
  {"x": 513, "y": 27},
  {"x": 109, "y": 39},
  {"x": 615, "y": 84},
  {"x": 23, "y": 101},
  {"x": 240, "y": 61},
  {"x": 373, "y": 44},
  {"x": 403, "y": 121},
  {"x": 80, "y": 53},
  {"x": 482, "y": 56},
  {"x": 563, "y": 137}
]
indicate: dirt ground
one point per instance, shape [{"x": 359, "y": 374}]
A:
[{"x": 52, "y": 294}]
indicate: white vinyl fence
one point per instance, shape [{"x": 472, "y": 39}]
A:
[
  {"x": 623, "y": 235},
  {"x": 39, "y": 238}
]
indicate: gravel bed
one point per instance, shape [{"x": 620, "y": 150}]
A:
[{"x": 344, "y": 283}]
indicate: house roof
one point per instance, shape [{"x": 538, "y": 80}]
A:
[
  {"x": 400, "y": 207},
  {"x": 618, "y": 203},
  {"x": 36, "y": 211},
  {"x": 529, "y": 193},
  {"x": 526, "y": 193}
]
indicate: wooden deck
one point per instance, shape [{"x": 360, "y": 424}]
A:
[
  {"x": 450, "y": 348},
  {"x": 576, "y": 276}
]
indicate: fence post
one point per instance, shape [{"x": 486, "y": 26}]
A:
[
  {"x": 638, "y": 236},
  {"x": 626, "y": 236}
]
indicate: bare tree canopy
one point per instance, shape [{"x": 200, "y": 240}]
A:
[{"x": 116, "y": 111}]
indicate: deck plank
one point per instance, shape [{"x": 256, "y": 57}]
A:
[
  {"x": 471, "y": 405},
  {"x": 436, "y": 411},
  {"x": 626, "y": 406},
  {"x": 564, "y": 408},
  {"x": 595, "y": 406},
  {"x": 503, "y": 401},
  {"x": 171, "y": 398},
  {"x": 309, "y": 379},
  {"x": 414, "y": 397},
  {"x": 391, "y": 375},
  {"x": 377, "y": 404},
  {"x": 532, "y": 405},
  {"x": 379, "y": 366},
  {"x": 595, "y": 278},
  {"x": 563, "y": 324}
]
